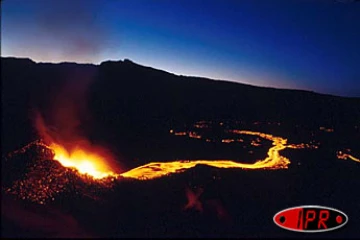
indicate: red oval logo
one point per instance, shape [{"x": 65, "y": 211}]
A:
[{"x": 310, "y": 218}]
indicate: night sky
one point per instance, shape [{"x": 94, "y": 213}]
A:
[{"x": 298, "y": 44}]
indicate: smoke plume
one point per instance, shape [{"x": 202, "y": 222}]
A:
[{"x": 73, "y": 27}]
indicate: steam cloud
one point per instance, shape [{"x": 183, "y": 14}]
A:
[
  {"x": 72, "y": 27},
  {"x": 67, "y": 111},
  {"x": 66, "y": 120}
]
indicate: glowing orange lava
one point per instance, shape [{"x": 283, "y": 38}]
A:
[
  {"x": 344, "y": 156},
  {"x": 94, "y": 165},
  {"x": 89, "y": 161},
  {"x": 160, "y": 169},
  {"x": 85, "y": 162}
]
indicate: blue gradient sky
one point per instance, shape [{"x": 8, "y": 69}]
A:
[{"x": 300, "y": 44}]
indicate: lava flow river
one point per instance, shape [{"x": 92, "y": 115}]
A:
[
  {"x": 54, "y": 169},
  {"x": 158, "y": 169},
  {"x": 92, "y": 164}
]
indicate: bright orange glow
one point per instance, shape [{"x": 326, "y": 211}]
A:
[
  {"x": 86, "y": 159},
  {"x": 73, "y": 150},
  {"x": 90, "y": 163},
  {"x": 160, "y": 169},
  {"x": 94, "y": 165},
  {"x": 344, "y": 156},
  {"x": 85, "y": 162}
]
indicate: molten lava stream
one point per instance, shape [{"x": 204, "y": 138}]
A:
[
  {"x": 341, "y": 155},
  {"x": 95, "y": 165},
  {"x": 160, "y": 169}
]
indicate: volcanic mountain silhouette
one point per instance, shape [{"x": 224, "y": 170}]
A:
[{"x": 133, "y": 102}]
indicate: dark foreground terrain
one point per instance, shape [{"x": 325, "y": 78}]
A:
[{"x": 130, "y": 109}]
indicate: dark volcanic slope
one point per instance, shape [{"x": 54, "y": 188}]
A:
[
  {"x": 131, "y": 102},
  {"x": 126, "y": 89}
]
